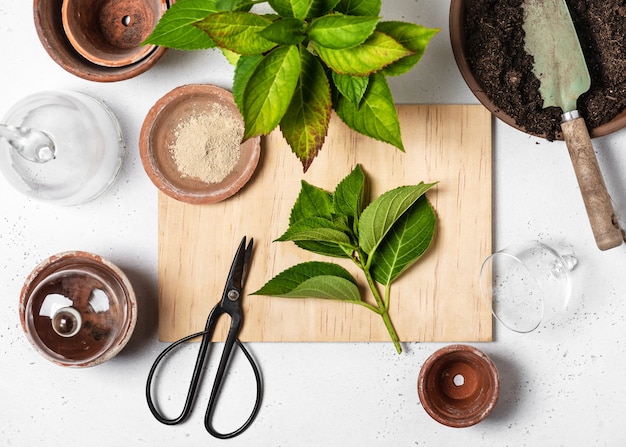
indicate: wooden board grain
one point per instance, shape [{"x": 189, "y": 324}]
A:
[{"x": 437, "y": 299}]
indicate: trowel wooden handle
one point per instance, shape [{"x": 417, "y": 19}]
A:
[{"x": 602, "y": 218}]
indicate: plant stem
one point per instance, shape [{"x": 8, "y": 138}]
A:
[
  {"x": 392, "y": 332},
  {"x": 387, "y": 295},
  {"x": 368, "y": 306},
  {"x": 383, "y": 305}
]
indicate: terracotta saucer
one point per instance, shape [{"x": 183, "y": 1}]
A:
[
  {"x": 159, "y": 134},
  {"x": 458, "y": 386}
]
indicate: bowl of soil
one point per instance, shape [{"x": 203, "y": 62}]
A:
[
  {"x": 191, "y": 145},
  {"x": 488, "y": 45},
  {"x": 458, "y": 386}
]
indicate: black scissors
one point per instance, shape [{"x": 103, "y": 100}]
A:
[{"x": 230, "y": 304}]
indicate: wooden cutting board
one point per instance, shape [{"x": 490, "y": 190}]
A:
[{"x": 437, "y": 299}]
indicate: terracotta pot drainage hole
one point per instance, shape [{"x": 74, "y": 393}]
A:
[{"x": 459, "y": 381}]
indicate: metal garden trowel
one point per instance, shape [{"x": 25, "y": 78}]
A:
[{"x": 560, "y": 66}]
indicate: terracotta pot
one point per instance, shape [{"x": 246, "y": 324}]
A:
[
  {"x": 458, "y": 386},
  {"x": 159, "y": 133},
  {"x": 458, "y": 41},
  {"x": 110, "y": 32},
  {"x": 78, "y": 309},
  {"x": 49, "y": 26}
]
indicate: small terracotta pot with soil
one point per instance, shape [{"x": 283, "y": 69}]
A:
[
  {"x": 488, "y": 44},
  {"x": 458, "y": 386}
]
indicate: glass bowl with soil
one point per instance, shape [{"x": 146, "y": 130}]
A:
[
  {"x": 78, "y": 309},
  {"x": 488, "y": 44}
]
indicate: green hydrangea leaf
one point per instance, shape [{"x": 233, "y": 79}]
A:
[
  {"x": 232, "y": 5},
  {"x": 302, "y": 9},
  {"x": 411, "y": 36},
  {"x": 376, "y": 116},
  {"x": 315, "y": 229},
  {"x": 378, "y": 51},
  {"x": 313, "y": 280},
  {"x": 326, "y": 248},
  {"x": 243, "y": 71},
  {"x": 176, "y": 28},
  {"x": 298, "y": 9},
  {"x": 383, "y": 213},
  {"x": 341, "y": 31},
  {"x": 231, "y": 57},
  {"x": 314, "y": 202},
  {"x": 287, "y": 31},
  {"x": 407, "y": 240},
  {"x": 311, "y": 202},
  {"x": 269, "y": 89},
  {"x": 349, "y": 194},
  {"x": 306, "y": 122},
  {"x": 352, "y": 87},
  {"x": 321, "y": 7},
  {"x": 237, "y": 31},
  {"x": 360, "y": 7}
]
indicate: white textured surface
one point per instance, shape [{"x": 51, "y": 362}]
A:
[{"x": 561, "y": 386}]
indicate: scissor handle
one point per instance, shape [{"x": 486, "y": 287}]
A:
[
  {"x": 231, "y": 340},
  {"x": 193, "y": 386},
  {"x": 217, "y": 385}
]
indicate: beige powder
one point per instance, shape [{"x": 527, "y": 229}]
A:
[{"x": 207, "y": 145}]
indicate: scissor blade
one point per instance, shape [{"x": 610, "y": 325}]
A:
[
  {"x": 240, "y": 266},
  {"x": 246, "y": 262}
]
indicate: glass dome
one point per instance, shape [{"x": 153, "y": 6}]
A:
[{"x": 89, "y": 148}]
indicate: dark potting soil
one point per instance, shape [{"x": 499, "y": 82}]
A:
[{"x": 495, "y": 51}]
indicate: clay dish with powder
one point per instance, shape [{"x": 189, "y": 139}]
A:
[{"x": 191, "y": 145}]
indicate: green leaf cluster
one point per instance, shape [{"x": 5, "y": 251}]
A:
[
  {"x": 383, "y": 238},
  {"x": 295, "y": 66}
]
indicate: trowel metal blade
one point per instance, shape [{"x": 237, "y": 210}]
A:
[{"x": 559, "y": 61}]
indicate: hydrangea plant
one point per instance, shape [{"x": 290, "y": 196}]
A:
[{"x": 297, "y": 64}]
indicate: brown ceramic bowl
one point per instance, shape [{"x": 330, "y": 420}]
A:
[
  {"x": 78, "y": 309},
  {"x": 49, "y": 26},
  {"x": 458, "y": 386},
  {"x": 159, "y": 135},
  {"x": 458, "y": 40},
  {"x": 110, "y": 32}
]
